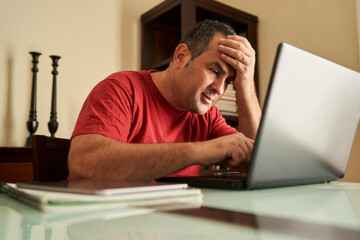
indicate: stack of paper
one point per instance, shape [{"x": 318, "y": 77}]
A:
[{"x": 94, "y": 195}]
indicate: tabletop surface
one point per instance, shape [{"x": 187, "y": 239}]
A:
[{"x": 321, "y": 211}]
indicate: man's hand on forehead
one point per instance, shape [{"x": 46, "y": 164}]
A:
[{"x": 238, "y": 53}]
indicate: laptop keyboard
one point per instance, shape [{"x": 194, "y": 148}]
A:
[{"x": 225, "y": 173}]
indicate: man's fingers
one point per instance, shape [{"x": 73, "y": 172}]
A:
[
  {"x": 245, "y": 147},
  {"x": 234, "y": 55},
  {"x": 250, "y": 146},
  {"x": 242, "y": 152},
  {"x": 237, "y": 150},
  {"x": 242, "y": 40},
  {"x": 237, "y": 52},
  {"x": 238, "y": 43}
]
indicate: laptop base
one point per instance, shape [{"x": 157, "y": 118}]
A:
[{"x": 208, "y": 182}]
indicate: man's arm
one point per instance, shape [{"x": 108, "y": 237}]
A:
[
  {"x": 249, "y": 110},
  {"x": 97, "y": 157},
  {"x": 239, "y": 54}
]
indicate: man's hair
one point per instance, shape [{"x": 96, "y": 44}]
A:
[{"x": 199, "y": 36}]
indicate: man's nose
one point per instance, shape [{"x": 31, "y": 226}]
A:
[{"x": 218, "y": 86}]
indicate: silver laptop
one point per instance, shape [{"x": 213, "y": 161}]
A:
[{"x": 309, "y": 122}]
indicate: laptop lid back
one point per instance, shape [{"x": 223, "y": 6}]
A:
[{"x": 310, "y": 117}]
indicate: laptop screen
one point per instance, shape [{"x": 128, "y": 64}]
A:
[{"x": 309, "y": 121}]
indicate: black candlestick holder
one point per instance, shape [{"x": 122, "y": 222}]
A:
[
  {"x": 32, "y": 123},
  {"x": 53, "y": 124}
]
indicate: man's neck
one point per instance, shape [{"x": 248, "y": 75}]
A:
[{"x": 163, "y": 81}]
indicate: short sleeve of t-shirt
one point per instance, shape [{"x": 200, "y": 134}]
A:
[{"x": 103, "y": 112}]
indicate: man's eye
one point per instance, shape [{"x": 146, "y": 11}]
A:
[{"x": 214, "y": 71}]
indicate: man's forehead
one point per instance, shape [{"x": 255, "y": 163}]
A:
[{"x": 212, "y": 47}]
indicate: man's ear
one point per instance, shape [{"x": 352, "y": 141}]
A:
[{"x": 181, "y": 55}]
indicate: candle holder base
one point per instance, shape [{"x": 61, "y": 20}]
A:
[{"x": 28, "y": 142}]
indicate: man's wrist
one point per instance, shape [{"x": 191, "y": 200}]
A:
[{"x": 246, "y": 90}]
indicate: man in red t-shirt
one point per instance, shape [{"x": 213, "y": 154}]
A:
[{"x": 150, "y": 124}]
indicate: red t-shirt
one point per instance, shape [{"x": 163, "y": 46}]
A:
[{"x": 128, "y": 107}]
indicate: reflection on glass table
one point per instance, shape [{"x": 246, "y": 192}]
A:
[{"x": 322, "y": 211}]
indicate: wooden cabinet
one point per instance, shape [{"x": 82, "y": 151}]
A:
[
  {"x": 16, "y": 164},
  {"x": 164, "y": 25}
]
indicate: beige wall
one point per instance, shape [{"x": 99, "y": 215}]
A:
[
  {"x": 358, "y": 27},
  {"x": 84, "y": 33},
  {"x": 96, "y": 38}
]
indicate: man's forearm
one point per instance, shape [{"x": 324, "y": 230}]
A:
[
  {"x": 239, "y": 54},
  {"x": 249, "y": 112},
  {"x": 95, "y": 156}
]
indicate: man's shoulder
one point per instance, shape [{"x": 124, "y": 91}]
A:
[
  {"x": 126, "y": 80},
  {"x": 129, "y": 76}
]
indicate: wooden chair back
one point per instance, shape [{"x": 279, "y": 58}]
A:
[{"x": 50, "y": 157}]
